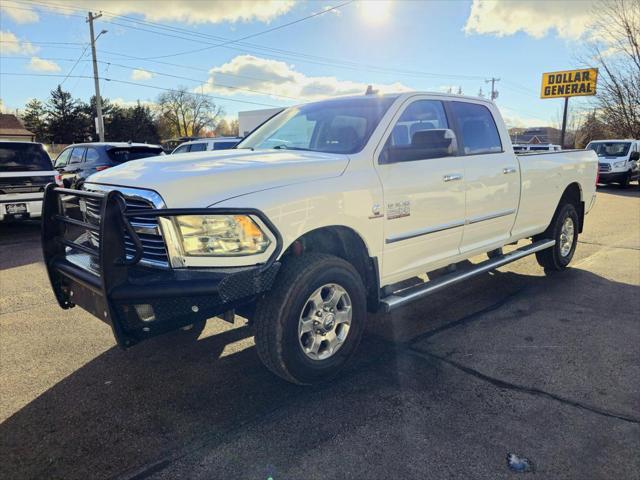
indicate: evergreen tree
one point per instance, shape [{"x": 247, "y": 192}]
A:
[
  {"x": 67, "y": 123},
  {"x": 35, "y": 119}
]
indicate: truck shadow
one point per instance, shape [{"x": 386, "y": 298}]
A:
[
  {"x": 19, "y": 243},
  {"x": 125, "y": 409},
  {"x": 632, "y": 190}
]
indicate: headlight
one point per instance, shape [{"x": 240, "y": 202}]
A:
[
  {"x": 618, "y": 164},
  {"x": 220, "y": 235}
]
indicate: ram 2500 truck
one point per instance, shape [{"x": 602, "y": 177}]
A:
[{"x": 326, "y": 212}]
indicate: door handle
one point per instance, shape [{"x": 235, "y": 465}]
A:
[
  {"x": 452, "y": 177},
  {"x": 508, "y": 170}
]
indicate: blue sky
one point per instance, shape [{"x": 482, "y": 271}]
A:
[{"x": 393, "y": 45}]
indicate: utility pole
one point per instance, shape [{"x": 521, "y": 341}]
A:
[
  {"x": 494, "y": 92},
  {"x": 564, "y": 122},
  {"x": 96, "y": 80}
]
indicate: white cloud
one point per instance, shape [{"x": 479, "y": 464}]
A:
[
  {"x": 10, "y": 44},
  {"x": 40, "y": 65},
  {"x": 280, "y": 79},
  {"x": 568, "y": 18},
  {"x": 141, "y": 75},
  {"x": 19, "y": 14},
  {"x": 188, "y": 11}
]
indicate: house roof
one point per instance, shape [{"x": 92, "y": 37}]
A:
[{"x": 10, "y": 125}]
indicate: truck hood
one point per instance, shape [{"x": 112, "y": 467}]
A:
[{"x": 197, "y": 180}]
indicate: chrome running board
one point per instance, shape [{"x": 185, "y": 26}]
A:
[{"x": 408, "y": 295}]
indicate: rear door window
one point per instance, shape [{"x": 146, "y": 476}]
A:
[
  {"x": 198, "y": 147},
  {"x": 23, "y": 157},
  {"x": 76, "y": 155},
  {"x": 92, "y": 155},
  {"x": 478, "y": 128}
]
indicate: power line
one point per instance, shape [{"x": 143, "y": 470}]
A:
[
  {"x": 74, "y": 65},
  {"x": 126, "y": 82},
  {"x": 269, "y": 30},
  {"x": 280, "y": 54},
  {"x": 163, "y": 74}
]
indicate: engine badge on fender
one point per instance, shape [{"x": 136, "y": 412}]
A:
[{"x": 398, "y": 209}]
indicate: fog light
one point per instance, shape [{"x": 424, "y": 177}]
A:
[{"x": 145, "y": 312}]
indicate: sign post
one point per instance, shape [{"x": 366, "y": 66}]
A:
[{"x": 568, "y": 83}]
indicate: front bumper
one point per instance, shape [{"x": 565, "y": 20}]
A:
[
  {"x": 612, "y": 177},
  {"x": 138, "y": 302}
]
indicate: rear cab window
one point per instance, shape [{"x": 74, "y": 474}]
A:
[
  {"x": 477, "y": 127},
  {"x": 24, "y": 157},
  {"x": 127, "y": 154}
]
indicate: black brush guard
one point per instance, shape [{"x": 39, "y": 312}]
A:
[{"x": 138, "y": 301}]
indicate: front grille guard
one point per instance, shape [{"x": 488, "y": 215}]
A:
[{"x": 119, "y": 279}]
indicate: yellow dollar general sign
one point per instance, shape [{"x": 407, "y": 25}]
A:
[{"x": 570, "y": 83}]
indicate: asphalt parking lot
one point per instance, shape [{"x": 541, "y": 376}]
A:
[{"x": 513, "y": 362}]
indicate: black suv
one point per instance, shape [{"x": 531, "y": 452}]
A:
[{"x": 76, "y": 162}]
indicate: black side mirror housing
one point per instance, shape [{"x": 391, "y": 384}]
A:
[{"x": 634, "y": 156}]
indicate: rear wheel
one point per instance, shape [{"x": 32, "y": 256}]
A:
[
  {"x": 564, "y": 230},
  {"x": 310, "y": 324}
]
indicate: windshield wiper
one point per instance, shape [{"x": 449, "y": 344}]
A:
[{"x": 285, "y": 147}]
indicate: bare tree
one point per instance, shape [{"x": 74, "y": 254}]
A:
[
  {"x": 615, "y": 47},
  {"x": 188, "y": 114}
]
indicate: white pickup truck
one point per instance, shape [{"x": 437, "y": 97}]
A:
[{"x": 311, "y": 222}]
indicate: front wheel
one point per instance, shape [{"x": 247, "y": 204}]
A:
[
  {"x": 564, "y": 230},
  {"x": 624, "y": 183},
  {"x": 310, "y": 324}
]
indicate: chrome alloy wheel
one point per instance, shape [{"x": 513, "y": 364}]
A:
[
  {"x": 566, "y": 236},
  {"x": 324, "y": 322}
]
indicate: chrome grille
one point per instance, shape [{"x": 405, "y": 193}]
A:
[
  {"x": 604, "y": 167},
  {"x": 147, "y": 228}
]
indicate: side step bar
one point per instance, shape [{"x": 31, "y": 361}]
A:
[{"x": 408, "y": 295}]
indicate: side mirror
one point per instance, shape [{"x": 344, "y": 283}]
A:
[
  {"x": 425, "y": 144},
  {"x": 634, "y": 156}
]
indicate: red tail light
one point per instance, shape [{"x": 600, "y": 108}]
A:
[
  {"x": 101, "y": 167},
  {"x": 58, "y": 179}
]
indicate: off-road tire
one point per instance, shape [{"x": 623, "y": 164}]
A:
[
  {"x": 278, "y": 313},
  {"x": 551, "y": 259}
]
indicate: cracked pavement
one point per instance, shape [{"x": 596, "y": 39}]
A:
[{"x": 511, "y": 362}]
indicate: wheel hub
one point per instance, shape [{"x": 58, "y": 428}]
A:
[
  {"x": 566, "y": 236},
  {"x": 324, "y": 322}
]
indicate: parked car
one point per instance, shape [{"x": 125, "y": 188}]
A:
[
  {"x": 207, "y": 144},
  {"x": 535, "y": 147},
  {"x": 76, "y": 162},
  {"x": 25, "y": 170},
  {"x": 327, "y": 211},
  {"x": 618, "y": 160},
  {"x": 171, "y": 144}
]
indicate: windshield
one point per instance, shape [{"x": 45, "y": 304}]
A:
[
  {"x": 610, "y": 149},
  {"x": 121, "y": 155},
  {"x": 332, "y": 126},
  {"x": 23, "y": 157}
]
